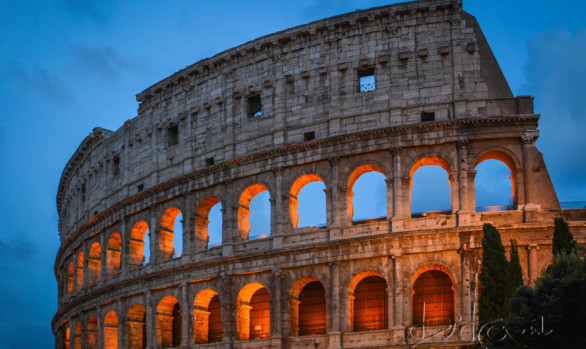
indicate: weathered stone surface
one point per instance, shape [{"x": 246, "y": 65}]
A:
[{"x": 275, "y": 114}]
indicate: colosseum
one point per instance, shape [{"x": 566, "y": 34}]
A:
[{"x": 388, "y": 89}]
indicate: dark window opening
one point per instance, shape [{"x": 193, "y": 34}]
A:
[
  {"x": 308, "y": 136},
  {"x": 173, "y": 135},
  {"x": 366, "y": 80},
  {"x": 82, "y": 193},
  {"x": 140, "y": 187},
  {"x": 254, "y": 106},
  {"x": 209, "y": 161},
  {"x": 116, "y": 166},
  {"x": 176, "y": 325},
  {"x": 427, "y": 116}
]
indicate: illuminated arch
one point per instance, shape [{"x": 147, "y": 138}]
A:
[
  {"x": 69, "y": 279},
  {"x": 94, "y": 264},
  {"x": 430, "y": 160},
  {"x": 77, "y": 335},
  {"x": 91, "y": 333},
  {"x": 137, "y": 245},
  {"x": 356, "y": 173},
  {"x": 433, "y": 285},
  {"x": 201, "y": 220},
  {"x": 136, "y": 326},
  {"x": 294, "y": 193},
  {"x": 253, "y": 312},
  {"x": 307, "y": 307},
  {"x": 506, "y": 157},
  {"x": 79, "y": 271},
  {"x": 67, "y": 331},
  {"x": 168, "y": 323},
  {"x": 111, "y": 330},
  {"x": 367, "y": 302},
  {"x": 113, "y": 254},
  {"x": 166, "y": 233},
  {"x": 207, "y": 317},
  {"x": 244, "y": 208}
]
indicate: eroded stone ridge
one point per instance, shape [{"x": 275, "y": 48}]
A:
[{"x": 388, "y": 89}]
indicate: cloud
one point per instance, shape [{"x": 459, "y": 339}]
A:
[
  {"x": 22, "y": 251},
  {"x": 38, "y": 81},
  {"x": 556, "y": 76},
  {"x": 102, "y": 61}
]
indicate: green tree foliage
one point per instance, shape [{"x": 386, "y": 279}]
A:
[
  {"x": 515, "y": 270},
  {"x": 563, "y": 240},
  {"x": 494, "y": 277},
  {"x": 553, "y": 314}
]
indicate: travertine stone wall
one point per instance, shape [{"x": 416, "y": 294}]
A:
[{"x": 193, "y": 144}]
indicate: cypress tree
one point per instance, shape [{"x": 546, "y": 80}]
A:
[
  {"x": 494, "y": 277},
  {"x": 563, "y": 240},
  {"x": 515, "y": 270}
]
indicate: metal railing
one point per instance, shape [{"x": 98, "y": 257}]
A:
[{"x": 367, "y": 87}]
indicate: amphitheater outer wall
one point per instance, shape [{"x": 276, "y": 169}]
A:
[{"x": 193, "y": 144}]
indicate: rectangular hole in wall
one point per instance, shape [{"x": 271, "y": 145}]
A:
[
  {"x": 140, "y": 187},
  {"x": 308, "y": 136},
  {"x": 116, "y": 166},
  {"x": 254, "y": 106},
  {"x": 366, "y": 81},
  {"x": 427, "y": 116},
  {"x": 173, "y": 135},
  {"x": 210, "y": 161}
]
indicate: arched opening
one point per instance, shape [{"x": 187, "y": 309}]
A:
[
  {"x": 430, "y": 187},
  {"x": 111, "y": 330},
  {"x": 69, "y": 279},
  {"x": 171, "y": 234},
  {"x": 168, "y": 323},
  {"x": 113, "y": 255},
  {"x": 208, "y": 223},
  {"x": 366, "y": 194},
  {"x": 307, "y": 202},
  {"x": 91, "y": 333},
  {"x": 138, "y": 244},
  {"x": 494, "y": 182},
  {"x": 77, "y": 336},
  {"x": 136, "y": 329},
  {"x": 79, "y": 270},
  {"x": 94, "y": 264},
  {"x": 253, "y": 312},
  {"x": 368, "y": 302},
  {"x": 307, "y": 307},
  {"x": 433, "y": 298},
  {"x": 67, "y": 335},
  {"x": 254, "y": 213},
  {"x": 207, "y": 317}
]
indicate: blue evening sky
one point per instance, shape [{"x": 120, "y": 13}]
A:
[{"x": 67, "y": 66}]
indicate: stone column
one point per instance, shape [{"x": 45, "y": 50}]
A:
[
  {"x": 151, "y": 331},
  {"x": 398, "y": 286},
  {"x": 154, "y": 238},
  {"x": 454, "y": 192},
  {"x": 277, "y": 314},
  {"x": 185, "y": 309},
  {"x": 74, "y": 280},
  {"x": 121, "y": 324},
  {"x": 125, "y": 252},
  {"x": 100, "y": 322},
  {"x": 83, "y": 320},
  {"x": 277, "y": 226},
  {"x": 229, "y": 219},
  {"x": 188, "y": 224},
  {"x": 400, "y": 204},
  {"x": 466, "y": 299},
  {"x": 532, "y": 262},
  {"x": 390, "y": 209},
  {"x": 464, "y": 201},
  {"x": 527, "y": 143},
  {"x": 334, "y": 210},
  {"x": 390, "y": 279},
  {"x": 228, "y": 311},
  {"x": 335, "y": 303},
  {"x": 85, "y": 264}
]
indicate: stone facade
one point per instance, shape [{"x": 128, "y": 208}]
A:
[{"x": 275, "y": 114}]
